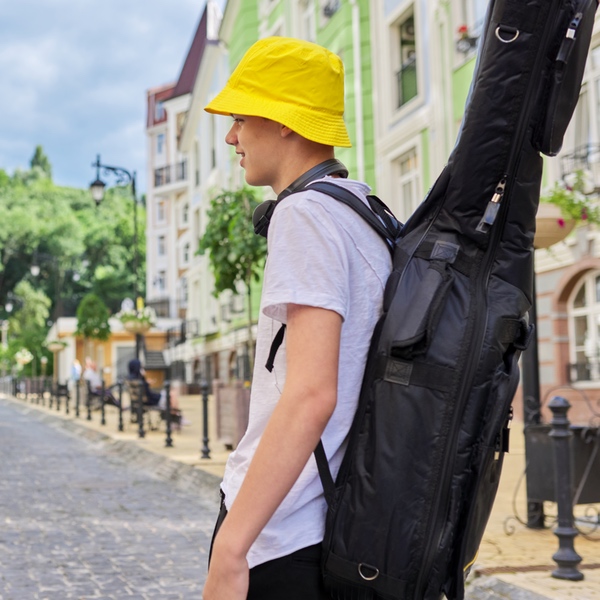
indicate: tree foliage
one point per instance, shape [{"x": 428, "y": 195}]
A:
[
  {"x": 79, "y": 247},
  {"x": 236, "y": 253},
  {"x": 92, "y": 319},
  {"x": 27, "y": 326},
  {"x": 39, "y": 160}
]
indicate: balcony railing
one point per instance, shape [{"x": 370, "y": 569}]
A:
[
  {"x": 407, "y": 82},
  {"x": 178, "y": 335},
  {"x": 170, "y": 174},
  {"x": 583, "y": 371},
  {"x": 584, "y": 158},
  {"x": 161, "y": 306}
]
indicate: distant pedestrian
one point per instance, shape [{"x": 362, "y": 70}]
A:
[{"x": 76, "y": 371}]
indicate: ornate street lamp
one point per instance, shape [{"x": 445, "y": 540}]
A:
[{"x": 97, "y": 187}]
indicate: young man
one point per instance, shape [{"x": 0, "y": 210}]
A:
[{"x": 324, "y": 279}]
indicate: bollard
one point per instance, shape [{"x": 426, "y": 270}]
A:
[
  {"x": 67, "y": 398},
  {"x": 89, "y": 402},
  {"x": 205, "y": 448},
  {"x": 51, "y": 396},
  {"x": 120, "y": 405},
  {"x": 102, "y": 403},
  {"x": 169, "y": 440},
  {"x": 57, "y": 397},
  {"x": 140, "y": 411},
  {"x": 77, "y": 397},
  {"x": 566, "y": 558}
]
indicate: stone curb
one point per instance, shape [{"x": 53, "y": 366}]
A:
[
  {"x": 492, "y": 588},
  {"x": 183, "y": 476}
]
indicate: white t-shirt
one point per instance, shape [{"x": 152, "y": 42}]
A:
[{"x": 323, "y": 254}]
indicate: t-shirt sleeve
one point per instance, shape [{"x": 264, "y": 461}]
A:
[{"x": 307, "y": 263}]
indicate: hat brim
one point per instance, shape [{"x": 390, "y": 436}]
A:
[{"x": 316, "y": 125}]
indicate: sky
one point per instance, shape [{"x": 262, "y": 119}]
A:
[{"x": 74, "y": 75}]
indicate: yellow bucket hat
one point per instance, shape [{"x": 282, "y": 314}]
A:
[{"x": 293, "y": 82}]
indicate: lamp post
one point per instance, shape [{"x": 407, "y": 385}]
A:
[{"x": 97, "y": 190}]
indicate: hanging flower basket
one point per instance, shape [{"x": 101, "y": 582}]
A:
[
  {"x": 23, "y": 357},
  {"x": 550, "y": 226},
  {"x": 137, "y": 321},
  {"x": 136, "y": 326},
  {"x": 56, "y": 345}
]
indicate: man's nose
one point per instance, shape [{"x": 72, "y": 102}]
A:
[{"x": 231, "y": 137}]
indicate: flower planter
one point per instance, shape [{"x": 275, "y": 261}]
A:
[
  {"x": 550, "y": 226},
  {"x": 137, "y": 327}
]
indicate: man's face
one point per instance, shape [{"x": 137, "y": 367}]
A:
[{"x": 257, "y": 140}]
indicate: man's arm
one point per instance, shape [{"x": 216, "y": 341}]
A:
[{"x": 294, "y": 429}]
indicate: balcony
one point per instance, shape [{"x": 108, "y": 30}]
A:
[
  {"x": 583, "y": 371},
  {"x": 178, "y": 335},
  {"x": 585, "y": 159},
  {"x": 170, "y": 174},
  {"x": 161, "y": 306}
]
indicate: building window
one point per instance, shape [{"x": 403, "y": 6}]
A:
[
  {"x": 197, "y": 162},
  {"x": 407, "y": 175},
  {"x": 304, "y": 20},
  {"x": 186, "y": 253},
  {"x": 162, "y": 245},
  {"x": 472, "y": 14},
  {"x": 584, "y": 329},
  {"x": 161, "y": 211},
  {"x": 406, "y": 73},
  {"x": 160, "y": 281},
  {"x": 213, "y": 142},
  {"x": 159, "y": 111},
  {"x": 160, "y": 143},
  {"x": 185, "y": 213}
]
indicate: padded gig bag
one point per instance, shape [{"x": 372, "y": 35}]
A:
[{"x": 410, "y": 503}]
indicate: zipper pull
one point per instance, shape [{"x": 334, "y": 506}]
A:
[
  {"x": 492, "y": 208},
  {"x": 567, "y": 44}
]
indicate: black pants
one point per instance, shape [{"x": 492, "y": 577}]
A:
[{"x": 293, "y": 577}]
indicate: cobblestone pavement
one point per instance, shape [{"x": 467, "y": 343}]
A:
[{"x": 79, "y": 523}]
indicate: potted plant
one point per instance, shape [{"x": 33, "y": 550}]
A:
[
  {"x": 563, "y": 207},
  {"x": 23, "y": 357},
  {"x": 137, "y": 321}
]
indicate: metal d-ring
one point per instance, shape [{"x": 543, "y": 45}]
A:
[
  {"x": 375, "y": 570},
  {"x": 499, "y": 28}
]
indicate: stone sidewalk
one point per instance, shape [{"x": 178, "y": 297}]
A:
[{"x": 516, "y": 566}]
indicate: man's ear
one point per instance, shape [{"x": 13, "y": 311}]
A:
[{"x": 285, "y": 131}]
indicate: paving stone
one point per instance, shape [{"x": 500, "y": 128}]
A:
[{"x": 78, "y": 521}]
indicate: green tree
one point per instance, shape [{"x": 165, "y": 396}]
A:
[
  {"x": 236, "y": 253},
  {"x": 40, "y": 161},
  {"x": 92, "y": 319},
  {"x": 79, "y": 247},
  {"x": 27, "y": 327}
]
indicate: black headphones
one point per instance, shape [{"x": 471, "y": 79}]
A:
[{"x": 264, "y": 211}]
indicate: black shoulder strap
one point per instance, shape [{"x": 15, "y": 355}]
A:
[{"x": 379, "y": 217}]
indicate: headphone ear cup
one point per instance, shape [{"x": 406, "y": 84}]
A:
[{"x": 262, "y": 217}]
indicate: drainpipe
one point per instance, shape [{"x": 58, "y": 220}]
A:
[{"x": 358, "y": 104}]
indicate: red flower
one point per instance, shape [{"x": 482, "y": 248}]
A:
[
  {"x": 463, "y": 30},
  {"x": 584, "y": 214},
  {"x": 561, "y": 222}
]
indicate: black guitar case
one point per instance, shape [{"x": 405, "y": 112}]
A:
[{"x": 416, "y": 488}]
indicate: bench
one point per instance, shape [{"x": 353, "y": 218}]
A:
[
  {"x": 137, "y": 396},
  {"x": 95, "y": 396}
]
